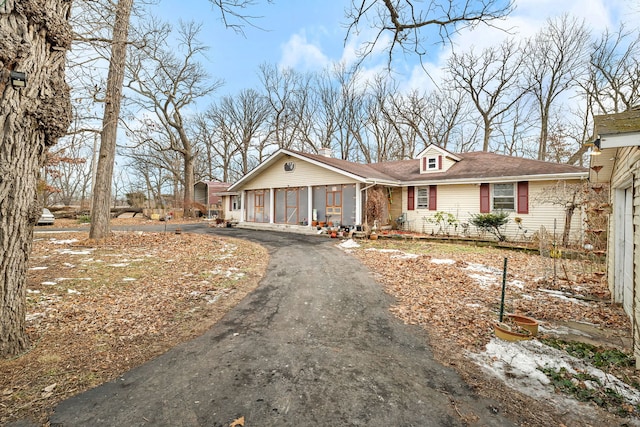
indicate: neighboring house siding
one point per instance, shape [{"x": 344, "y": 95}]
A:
[
  {"x": 303, "y": 174},
  {"x": 463, "y": 201},
  {"x": 625, "y": 179}
]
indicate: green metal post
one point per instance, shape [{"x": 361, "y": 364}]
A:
[{"x": 504, "y": 287}]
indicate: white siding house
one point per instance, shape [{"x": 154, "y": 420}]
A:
[
  {"x": 618, "y": 164},
  {"x": 295, "y": 190}
]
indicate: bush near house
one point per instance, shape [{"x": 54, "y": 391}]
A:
[{"x": 492, "y": 223}]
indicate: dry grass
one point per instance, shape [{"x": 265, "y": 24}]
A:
[{"x": 97, "y": 310}]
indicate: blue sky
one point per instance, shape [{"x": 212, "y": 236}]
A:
[{"x": 309, "y": 35}]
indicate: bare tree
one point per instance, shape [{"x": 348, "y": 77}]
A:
[
  {"x": 100, "y": 207},
  {"x": 236, "y": 123},
  {"x": 553, "y": 59},
  {"x": 384, "y": 142},
  {"x": 67, "y": 171},
  {"x": 167, "y": 81},
  {"x": 151, "y": 168},
  {"x": 287, "y": 93},
  {"x": 613, "y": 79},
  {"x": 491, "y": 80},
  {"x": 403, "y": 24}
]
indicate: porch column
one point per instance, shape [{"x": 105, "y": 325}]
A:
[
  {"x": 243, "y": 203},
  {"x": 272, "y": 205},
  {"x": 358, "y": 205},
  {"x": 309, "y": 205}
]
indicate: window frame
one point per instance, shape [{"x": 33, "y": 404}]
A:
[
  {"x": 432, "y": 163},
  {"x": 425, "y": 202},
  {"x": 505, "y": 198},
  {"x": 236, "y": 203}
]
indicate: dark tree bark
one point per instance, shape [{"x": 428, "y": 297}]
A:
[{"x": 34, "y": 37}]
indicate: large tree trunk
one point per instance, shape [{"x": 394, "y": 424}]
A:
[
  {"x": 189, "y": 182},
  {"x": 100, "y": 209},
  {"x": 34, "y": 37}
]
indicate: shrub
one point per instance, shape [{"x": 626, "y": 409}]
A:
[
  {"x": 492, "y": 223},
  {"x": 84, "y": 219}
]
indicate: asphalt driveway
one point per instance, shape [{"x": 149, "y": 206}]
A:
[{"x": 314, "y": 345}]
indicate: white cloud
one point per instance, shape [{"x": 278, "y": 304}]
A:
[{"x": 301, "y": 54}]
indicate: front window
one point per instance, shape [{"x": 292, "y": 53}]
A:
[
  {"x": 423, "y": 198},
  {"x": 432, "y": 163},
  {"x": 503, "y": 197},
  {"x": 235, "y": 203}
]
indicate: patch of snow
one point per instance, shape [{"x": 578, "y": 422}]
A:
[
  {"x": 129, "y": 279},
  {"x": 473, "y": 305},
  {"x": 31, "y": 291},
  {"x": 443, "y": 261},
  {"x": 484, "y": 281},
  {"x": 66, "y": 264},
  {"x": 561, "y": 330},
  {"x": 33, "y": 316},
  {"x": 214, "y": 299},
  {"x": 71, "y": 252},
  {"x": 517, "y": 283},
  {"x": 121, "y": 264},
  {"x": 63, "y": 242},
  {"x": 72, "y": 291},
  {"x": 38, "y": 268},
  {"x": 348, "y": 244},
  {"x": 388, "y": 251},
  {"x": 405, "y": 256},
  {"x": 481, "y": 268},
  {"x": 49, "y": 283},
  {"x": 563, "y": 296},
  {"x": 517, "y": 365}
]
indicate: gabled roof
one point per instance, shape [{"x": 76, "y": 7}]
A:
[
  {"x": 471, "y": 167},
  {"x": 368, "y": 172},
  {"x": 358, "y": 171},
  {"x": 441, "y": 150},
  {"x": 480, "y": 165}
]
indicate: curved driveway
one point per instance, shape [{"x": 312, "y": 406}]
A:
[{"x": 313, "y": 345}]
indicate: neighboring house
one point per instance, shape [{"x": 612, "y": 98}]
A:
[
  {"x": 618, "y": 164},
  {"x": 292, "y": 189},
  {"x": 207, "y": 193}
]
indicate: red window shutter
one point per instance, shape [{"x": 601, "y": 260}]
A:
[
  {"x": 485, "y": 198},
  {"x": 439, "y": 162},
  {"x": 523, "y": 197},
  {"x": 433, "y": 197},
  {"x": 424, "y": 164},
  {"x": 411, "y": 198}
]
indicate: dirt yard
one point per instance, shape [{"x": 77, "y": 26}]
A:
[{"x": 97, "y": 310}]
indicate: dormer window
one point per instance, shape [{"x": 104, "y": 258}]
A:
[
  {"x": 436, "y": 160},
  {"x": 431, "y": 163}
]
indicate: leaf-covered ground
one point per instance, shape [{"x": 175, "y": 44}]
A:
[
  {"x": 456, "y": 289},
  {"x": 454, "y": 292},
  {"x": 96, "y": 310}
]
